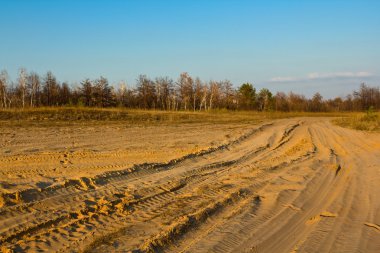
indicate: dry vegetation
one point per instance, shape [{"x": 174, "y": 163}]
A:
[
  {"x": 89, "y": 115},
  {"x": 369, "y": 121}
]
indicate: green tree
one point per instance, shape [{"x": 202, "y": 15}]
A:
[
  {"x": 247, "y": 96},
  {"x": 265, "y": 100}
]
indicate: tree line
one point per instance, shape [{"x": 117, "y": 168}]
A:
[{"x": 163, "y": 93}]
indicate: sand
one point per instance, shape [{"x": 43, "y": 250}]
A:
[{"x": 290, "y": 185}]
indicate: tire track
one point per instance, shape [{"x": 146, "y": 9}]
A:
[
  {"x": 166, "y": 165},
  {"x": 282, "y": 187}
]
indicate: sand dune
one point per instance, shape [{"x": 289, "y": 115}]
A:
[{"x": 292, "y": 185}]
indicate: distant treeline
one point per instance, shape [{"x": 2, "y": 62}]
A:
[{"x": 163, "y": 93}]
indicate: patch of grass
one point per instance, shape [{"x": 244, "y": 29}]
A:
[
  {"x": 86, "y": 116},
  {"x": 50, "y": 116},
  {"x": 369, "y": 121}
]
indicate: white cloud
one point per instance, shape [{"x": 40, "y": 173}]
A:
[
  {"x": 283, "y": 79},
  {"x": 321, "y": 76}
]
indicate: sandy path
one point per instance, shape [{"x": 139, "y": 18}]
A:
[
  {"x": 41, "y": 157},
  {"x": 299, "y": 185}
]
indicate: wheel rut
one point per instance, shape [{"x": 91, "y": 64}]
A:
[{"x": 280, "y": 187}]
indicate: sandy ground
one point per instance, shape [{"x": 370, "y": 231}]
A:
[{"x": 294, "y": 185}]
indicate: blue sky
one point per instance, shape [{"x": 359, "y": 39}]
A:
[{"x": 303, "y": 46}]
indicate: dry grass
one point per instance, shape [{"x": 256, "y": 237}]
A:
[
  {"x": 80, "y": 115},
  {"x": 369, "y": 121}
]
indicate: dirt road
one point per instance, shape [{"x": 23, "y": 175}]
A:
[{"x": 294, "y": 185}]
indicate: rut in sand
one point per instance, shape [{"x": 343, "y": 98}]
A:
[{"x": 294, "y": 185}]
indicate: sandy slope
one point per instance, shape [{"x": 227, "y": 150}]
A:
[{"x": 299, "y": 185}]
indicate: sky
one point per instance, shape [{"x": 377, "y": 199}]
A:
[{"x": 326, "y": 46}]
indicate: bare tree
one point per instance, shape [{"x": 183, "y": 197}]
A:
[
  {"x": 3, "y": 88},
  {"x": 197, "y": 98},
  {"x": 122, "y": 93},
  {"x": 367, "y": 97},
  {"x": 228, "y": 94},
  {"x": 297, "y": 102},
  {"x": 317, "y": 103},
  {"x": 281, "y": 102},
  {"x": 22, "y": 85},
  {"x": 34, "y": 87},
  {"x": 102, "y": 93},
  {"x": 64, "y": 94},
  {"x": 164, "y": 89},
  {"x": 86, "y": 92},
  {"x": 50, "y": 90},
  {"x": 214, "y": 93},
  {"x": 185, "y": 87},
  {"x": 146, "y": 92},
  {"x": 173, "y": 101},
  {"x": 204, "y": 96}
]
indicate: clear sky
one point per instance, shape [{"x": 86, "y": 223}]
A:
[{"x": 301, "y": 45}]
